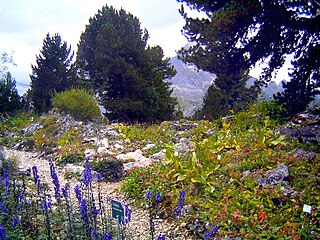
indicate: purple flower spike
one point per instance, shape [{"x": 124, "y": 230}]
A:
[
  {"x": 148, "y": 194},
  {"x": 158, "y": 197},
  {"x": 87, "y": 173},
  {"x": 3, "y": 234}
]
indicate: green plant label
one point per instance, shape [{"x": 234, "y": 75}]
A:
[{"x": 117, "y": 209}]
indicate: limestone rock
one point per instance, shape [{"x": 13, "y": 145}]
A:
[{"x": 275, "y": 176}]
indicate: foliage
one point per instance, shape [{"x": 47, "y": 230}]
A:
[
  {"x": 52, "y": 73},
  {"x": 126, "y": 74},
  {"x": 110, "y": 169},
  {"x": 70, "y": 158},
  {"x": 220, "y": 179},
  {"x": 245, "y": 33},
  {"x": 78, "y": 103},
  {"x": 9, "y": 97}
]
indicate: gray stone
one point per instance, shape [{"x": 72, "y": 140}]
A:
[
  {"x": 303, "y": 154},
  {"x": 2, "y": 156},
  {"x": 275, "y": 176},
  {"x": 158, "y": 157}
]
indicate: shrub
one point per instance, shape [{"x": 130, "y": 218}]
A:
[
  {"x": 78, "y": 103},
  {"x": 110, "y": 170}
]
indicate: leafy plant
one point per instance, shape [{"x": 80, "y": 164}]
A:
[
  {"x": 111, "y": 170},
  {"x": 78, "y": 103}
]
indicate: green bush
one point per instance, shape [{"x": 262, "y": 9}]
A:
[
  {"x": 78, "y": 103},
  {"x": 110, "y": 170}
]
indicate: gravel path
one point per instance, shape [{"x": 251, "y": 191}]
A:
[{"x": 139, "y": 224}]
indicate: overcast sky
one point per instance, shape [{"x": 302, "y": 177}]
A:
[{"x": 25, "y": 23}]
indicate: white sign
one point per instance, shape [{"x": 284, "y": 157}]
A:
[{"x": 307, "y": 208}]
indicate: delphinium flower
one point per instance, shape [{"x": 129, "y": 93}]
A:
[
  {"x": 211, "y": 232},
  {"x": 65, "y": 191},
  {"x": 46, "y": 205},
  {"x": 15, "y": 222},
  {"x": 148, "y": 195},
  {"x": 6, "y": 180},
  {"x": 178, "y": 209},
  {"x": 161, "y": 237},
  {"x": 55, "y": 181},
  {"x": 158, "y": 197},
  {"x": 84, "y": 212},
  {"x": 94, "y": 234},
  {"x": 127, "y": 215},
  {"x": 3, "y": 234},
  {"x": 77, "y": 190},
  {"x": 87, "y": 173},
  {"x": 107, "y": 236},
  {"x": 3, "y": 207},
  {"x": 36, "y": 178}
]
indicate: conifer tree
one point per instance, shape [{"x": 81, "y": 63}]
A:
[
  {"x": 258, "y": 30},
  {"x": 9, "y": 97},
  {"x": 127, "y": 74},
  {"x": 52, "y": 73}
]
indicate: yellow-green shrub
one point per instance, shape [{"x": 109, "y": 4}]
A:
[{"x": 78, "y": 103}]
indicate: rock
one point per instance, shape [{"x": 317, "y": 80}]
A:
[
  {"x": 118, "y": 146},
  {"x": 183, "y": 126},
  {"x": 135, "y": 156},
  {"x": 275, "y": 176},
  {"x": 245, "y": 174},
  {"x": 303, "y": 154},
  {"x": 149, "y": 146},
  {"x": 73, "y": 169},
  {"x": 304, "y": 127},
  {"x": 183, "y": 146},
  {"x": 2, "y": 156},
  {"x": 22, "y": 170},
  {"x": 89, "y": 153},
  {"x": 158, "y": 157},
  {"x": 104, "y": 143}
]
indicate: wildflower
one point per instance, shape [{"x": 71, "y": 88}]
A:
[
  {"x": 6, "y": 180},
  {"x": 148, "y": 194},
  {"x": 158, "y": 197},
  {"x": 95, "y": 211},
  {"x": 55, "y": 181},
  {"x": 15, "y": 222},
  {"x": 78, "y": 193},
  {"x": 3, "y": 234},
  {"x": 65, "y": 190},
  {"x": 84, "y": 212},
  {"x": 127, "y": 215},
  {"x": 107, "y": 236},
  {"x": 98, "y": 177},
  {"x": 161, "y": 237},
  {"x": 312, "y": 232},
  {"x": 87, "y": 174},
  {"x": 46, "y": 205},
  {"x": 94, "y": 234},
  {"x": 177, "y": 211},
  {"x": 36, "y": 178}
]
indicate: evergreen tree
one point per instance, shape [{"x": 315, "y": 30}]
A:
[
  {"x": 9, "y": 97},
  {"x": 258, "y": 30},
  {"x": 127, "y": 75},
  {"x": 53, "y": 72}
]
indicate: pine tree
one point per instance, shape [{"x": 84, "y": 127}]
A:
[
  {"x": 9, "y": 97},
  {"x": 52, "y": 73},
  {"x": 127, "y": 75},
  {"x": 247, "y": 32}
]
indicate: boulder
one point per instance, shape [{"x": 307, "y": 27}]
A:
[
  {"x": 278, "y": 175},
  {"x": 2, "y": 156}
]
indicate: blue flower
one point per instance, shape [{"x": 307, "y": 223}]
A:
[
  {"x": 36, "y": 178},
  {"x": 46, "y": 205},
  {"x": 3, "y": 234},
  {"x": 65, "y": 190},
  {"x": 55, "y": 181},
  {"x": 15, "y": 222},
  {"x": 94, "y": 234},
  {"x": 148, "y": 195},
  {"x": 84, "y": 212},
  {"x": 95, "y": 211},
  {"x": 6, "y": 180},
  {"x": 87, "y": 173},
  {"x": 158, "y": 197},
  {"x": 107, "y": 236},
  {"x": 161, "y": 237},
  {"x": 78, "y": 193},
  {"x": 177, "y": 211}
]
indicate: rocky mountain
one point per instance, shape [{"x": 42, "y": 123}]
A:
[{"x": 190, "y": 86}]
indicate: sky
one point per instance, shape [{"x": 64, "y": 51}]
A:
[{"x": 25, "y": 23}]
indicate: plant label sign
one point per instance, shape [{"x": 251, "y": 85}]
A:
[
  {"x": 117, "y": 209},
  {"x": 307, "y": 208}
]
